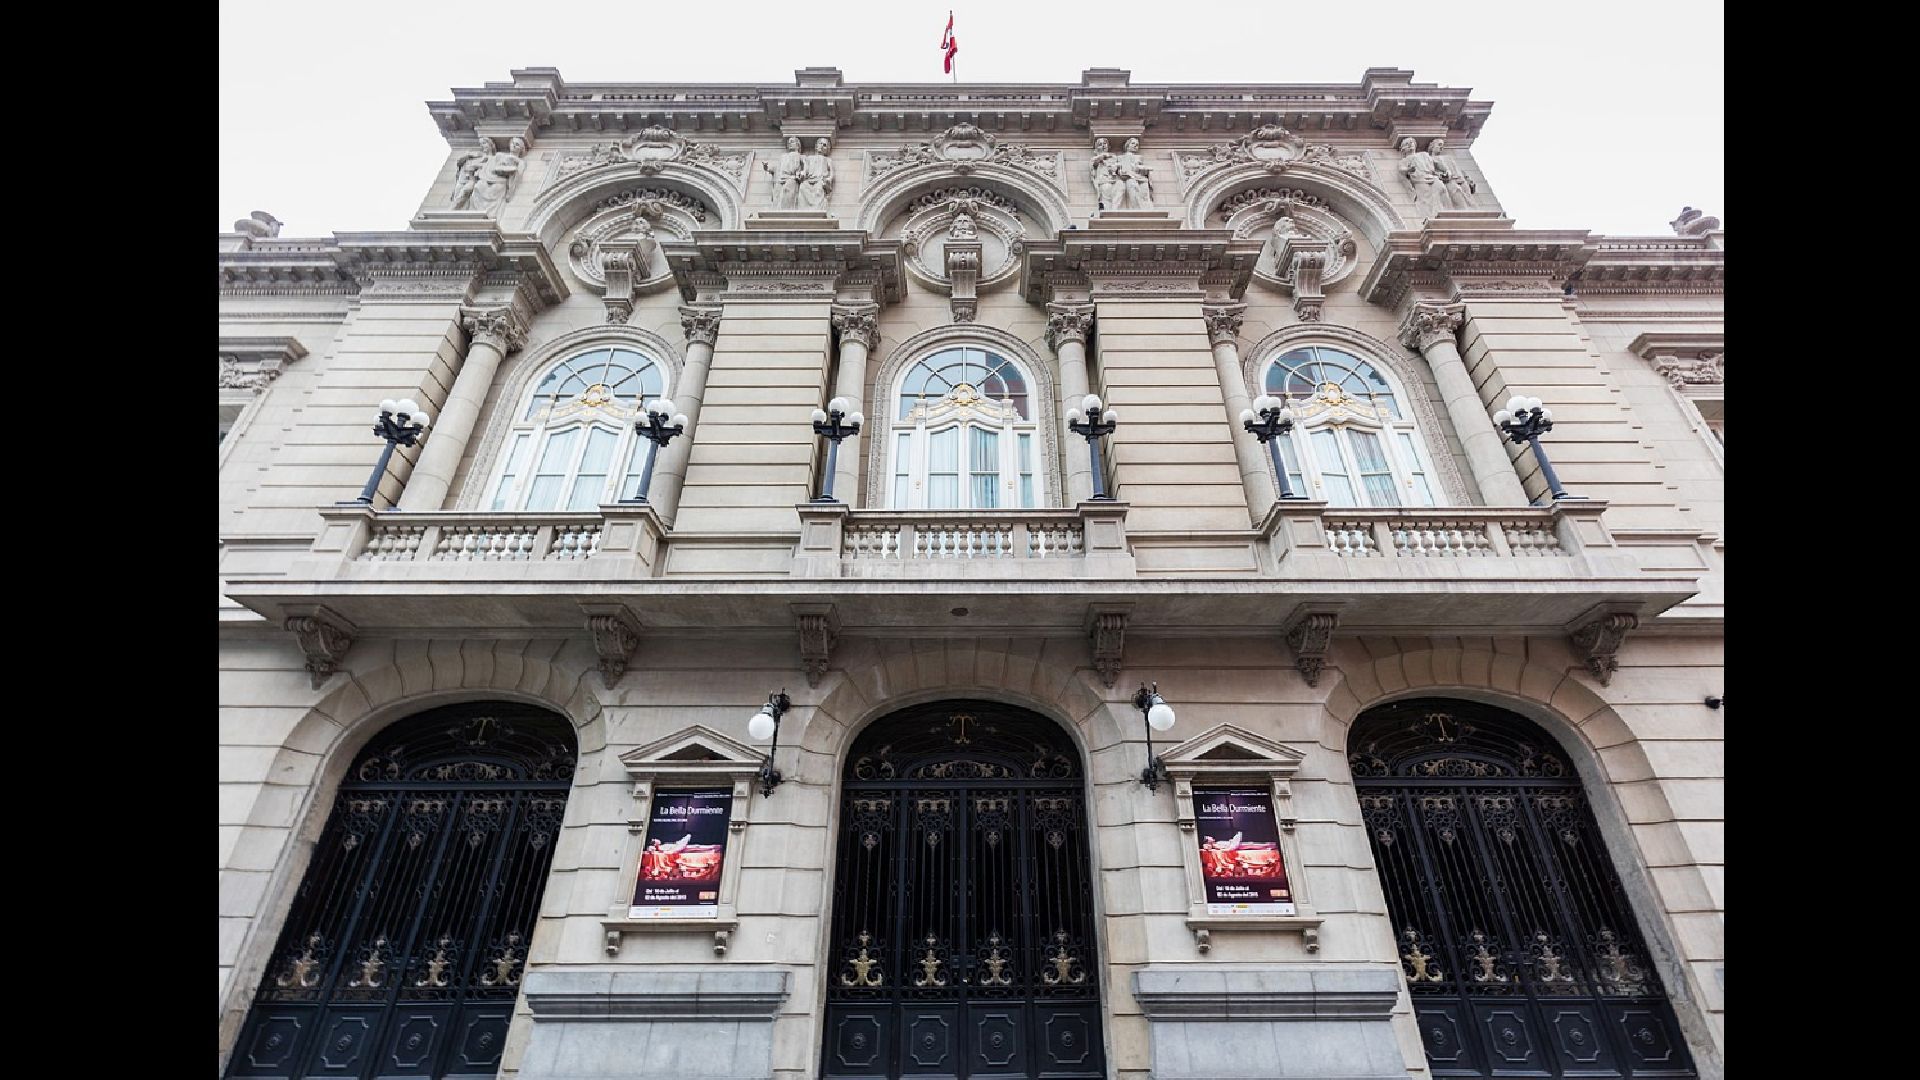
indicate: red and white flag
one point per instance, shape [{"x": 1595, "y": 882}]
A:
[{"x": 948, "y": 44}]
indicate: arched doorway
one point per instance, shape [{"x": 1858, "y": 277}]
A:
[
  {"x": 1517, "y": 941},
  {"x": 963, "y": 928},
  {"x": 404, "y": 946}
]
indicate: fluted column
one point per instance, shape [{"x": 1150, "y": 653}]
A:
[
  {"x": 1429, "y": 328},
  {"x": 702, "y": 327},
  {"x": 491, "y": 336},
  {"x": 1067, "y": 326},
  {"x": 1223, "y": 330},
  {"x": 858, "y": 328}
]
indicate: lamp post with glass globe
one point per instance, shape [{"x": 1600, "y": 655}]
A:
[
  {"x": 1159, "y": 717},
  {"x": 764, "y": 726},
  {"x": 1523, "y": 421},
  {"x": 1275, "y": 423},
  {"x": 661, "y": 424},
  {"x": 1093, "y": 420},
  {"x": 829, "y": 422},
  {"x": 401, "y": 423}
]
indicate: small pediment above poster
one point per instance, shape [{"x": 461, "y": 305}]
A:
[
  {"x": 1226, "y": 749},
  {"x": 694, "y": 750}
]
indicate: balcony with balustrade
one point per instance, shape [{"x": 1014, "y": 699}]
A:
[{"x": 1438, "y": 570}]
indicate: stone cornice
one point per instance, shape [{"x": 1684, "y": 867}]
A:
[
  {"x": 1386, "y": 102},
  {"x": 800, "y": 262},
  {"x": 1652, "y": 265},
  {"x": 1466, "y": 252},
  {"x": 348, "y": 262},
  {"x": 1194, "y": 259}
]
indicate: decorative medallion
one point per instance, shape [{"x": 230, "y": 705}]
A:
[
  {"x": 619, "y": 242},
  {"x": 961, "y": 214},
  {"x": 651, "y": 149},
  {"x": 1278, "y": 215}
]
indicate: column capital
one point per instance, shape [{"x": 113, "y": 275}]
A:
[
  {"x": 700, "y": 324},
  {"x": 1223, "y": 322},
  {"x": 1428, "y": 324},
  {"x": 1068, "y": 322},
  {"x": 857, "y": 323},
  {"x": 502, "y": 327}
]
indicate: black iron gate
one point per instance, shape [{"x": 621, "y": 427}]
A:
[
  {"x": 1517, "y": 941},
  {"x": 402, "y": 953},
  {"x": 963, "y": 910}
]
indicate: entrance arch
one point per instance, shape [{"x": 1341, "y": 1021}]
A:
[
  {"x": 1518, "y": 942},
  {"x": 964, "y": 941},
  {"x": 403, "y": 950}
]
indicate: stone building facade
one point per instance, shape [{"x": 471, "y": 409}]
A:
[{"x": 1418, "y": 657}]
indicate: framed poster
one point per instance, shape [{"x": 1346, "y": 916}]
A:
[
  {"x": 1240, "y": 864},
  {"x": 680, "y": 862}
]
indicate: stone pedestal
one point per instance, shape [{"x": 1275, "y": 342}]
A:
[
  {"x": 700, "y": 1024},
  {"x": 1279, "y": 1021},
  {"x": 1133, "y": 219},
  {"x": 793, "y": 220}
]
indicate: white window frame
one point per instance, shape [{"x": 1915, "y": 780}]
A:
[
  {"x": 961, "y": 415},
  {"x": 1333, "y": 409},
  {"x": 585, "y": 413}
]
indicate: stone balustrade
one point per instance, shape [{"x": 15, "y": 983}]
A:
[
  {"x": 609, "y": 543},
  {"x": 1566, "y": 539},
  {"x": 1088, "y": 540}
]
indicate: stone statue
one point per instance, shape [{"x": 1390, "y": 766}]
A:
[
  {"x": 1136, "y": 190},
  {"x": 962, "y": 227},
  {"x": 1458, "y": 185},
  {"x": 786, "y": 176},
  {"x": 645, "y": 247},
  {"x": 1423, "y": 175},
  {"x": 816, "y": 183},
  {"x": 1107, "y": 185},
  {"x": 496, "y": 177},
  {"x": 1283, "y": 227},
  {"x": 466, "y": 174}
]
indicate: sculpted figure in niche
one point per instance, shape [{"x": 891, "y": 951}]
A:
[
  {"x": 1107, "y": 184},
  {"x": 466, "y": 174},
  {"x": 786, "y": 176},
  {"x": 1136, "y": 187},
  {"x": 645, "y": 246},
  {"x": 1458, "y": 185},
  {"x": 816, "y": 182},
  {"x": 1423, "y": 175},
  {"x": 963, "y": 227},
  {"x": 496, "y": 177},
  {"x": 1283, "y": 227}
]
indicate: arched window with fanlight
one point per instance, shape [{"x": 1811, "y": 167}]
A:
[
  {"x": 964, "y": 435},
  {"x": 1354, "y": 441},
  {"x": 572, "y": 445}
]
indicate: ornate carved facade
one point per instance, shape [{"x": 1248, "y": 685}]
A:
[{"x": 966, "y": 266}]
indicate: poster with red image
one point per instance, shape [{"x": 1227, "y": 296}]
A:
[
  {"x": 680, "y": 861},
  {"x": 1240, "y": 863}
]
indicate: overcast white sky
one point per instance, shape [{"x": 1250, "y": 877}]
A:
[{"x": 1607, "y": 116}]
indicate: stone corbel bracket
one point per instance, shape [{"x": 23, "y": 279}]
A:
[
  {"x": 1596, "y": 640},
  {"x": 1106, "y": 627},
  {"x": 963, "y": 270},
  {"x": 616, "y": 637},
  {"x": 1305, "y": 261},
  {"x": 324, "y": 636},
  {"x": 819, "y": 628},
  {"x": 1310, "y": 636}
]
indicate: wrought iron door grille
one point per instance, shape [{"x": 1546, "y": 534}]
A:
[
  {"x": 403, "y": 950},
  {"x": 1515, "y": 936},
  {"x": 963, "y": 912}
]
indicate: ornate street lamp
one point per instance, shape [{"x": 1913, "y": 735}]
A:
[
  {"x": 1159, "y": 717},
  {"x": 828, "y": 422},
  {"x": 764, "y": 726},
  {"x": 1524, "y": 421},
  {"x": 1275, "y": 423},
  {"x": 659, "y": 428},
  {"x": 1093, "y": 420},
  {"x": 401, "y": 423}
]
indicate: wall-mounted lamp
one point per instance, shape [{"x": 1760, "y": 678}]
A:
[
  {"x": 1714, "y": 701},
  {"x": 1159, "y": 717},
  {"x": 764, "y": 726}
]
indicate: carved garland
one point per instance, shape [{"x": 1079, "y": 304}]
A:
[{"x": 650, "y": 150}]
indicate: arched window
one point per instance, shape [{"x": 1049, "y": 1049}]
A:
[
  {"x": 965, "y": 435},
  {"x": 572, "y": 446},
  {"x": 1354, "y": 443}
]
